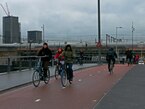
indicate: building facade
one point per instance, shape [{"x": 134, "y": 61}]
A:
[
  {"x": 34, "y": 36},
  {"x": 11, "y": 30}
]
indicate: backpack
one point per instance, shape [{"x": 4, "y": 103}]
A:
[{"x": 110, "y": 53}]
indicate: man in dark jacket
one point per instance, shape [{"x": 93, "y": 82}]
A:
[
  {"x": 111, "y": 55},
  {"x": 47, "y": 55},
  {"x": 129, "y": 56}
]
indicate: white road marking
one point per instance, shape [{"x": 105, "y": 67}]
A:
[
  {"x": 3, "y": 73},
  {"x": 94, "y": 100},
  {"x": 37, "y": 100},
  {"x": 80, "y": 80},
  {"x": 63, "y": 87},
  {"x": 90, "y": 75}
]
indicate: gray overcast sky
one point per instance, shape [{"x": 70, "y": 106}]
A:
[{"x": 78, "y": 17}]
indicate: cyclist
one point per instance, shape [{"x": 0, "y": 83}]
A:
[
  {"x": 68, "y": 58},
  {"x": 111, "y": 55},
  {"x": 59, "y": 52},
  {"x": 47, "y": 55}
]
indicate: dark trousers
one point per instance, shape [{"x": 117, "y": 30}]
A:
[
  {"x": 129, "y": 60},
  {"x": 69, "y": 71},
  {"x": 109, "y": 61},
  {"x": 45, "y": 67}
]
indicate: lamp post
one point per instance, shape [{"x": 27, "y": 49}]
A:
[
  {"x": 1, "y": 41},
  {"x": 30, "y": 45},
  {"x": 133, "y": 29},
  {"x": 117, "y": 39},
  {"x": 99, "y": 30},
  {"x": 43, "y": 33},
  {"x": 20, "y": 51}
]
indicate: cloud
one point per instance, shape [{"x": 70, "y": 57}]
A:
[
  {"x": 122, "y": 13},
  {"x": 77, "y": 17}
]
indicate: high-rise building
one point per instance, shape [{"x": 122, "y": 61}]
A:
[
  {"x": 11, "y": 30},
  {"x": 34, "y": 36}
]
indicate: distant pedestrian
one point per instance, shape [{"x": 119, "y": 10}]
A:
[
  {"x": 81, "y": 57},
  {"x": 129, "y": 56},
  {"x": 136, "y": 58},
  {"x": 110, "y": 56}
]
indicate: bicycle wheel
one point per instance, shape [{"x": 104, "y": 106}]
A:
[
  {"x": 56, "y": 72},
  {"x": 36, "y": 78},
  {"x": 111, "y": 68},
  {"x": 46, "y": 79},
  {"x": 64, "y": 78}
]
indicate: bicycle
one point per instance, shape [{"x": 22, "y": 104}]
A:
[
  {"x": 64, "y": 74},
  {"x": 57, "y": 70},
  {"x": 38, "y": 74}
]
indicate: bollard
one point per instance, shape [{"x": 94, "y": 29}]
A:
[
  {"x": 20, "y": 65},
  {"x": 30, "y": 64},
  {"x": 9, "y": 67}
]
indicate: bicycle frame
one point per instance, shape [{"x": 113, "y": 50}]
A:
[
  {"x": 62, "y": 66},
  {"x": 38, "y": 74},
  {"x": 39, "y": 66},
  {"x": 63, "y": 74}
]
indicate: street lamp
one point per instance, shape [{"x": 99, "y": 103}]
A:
[
  {"x": 30, "y": 43},
  {"x": 99, "y": 30},
  {"x": 20, "y": 48},
  {"x": 1, "y": 39},
  {"x": 116, "y": 38},
  {"x": 133, "y": 29},
  {"x": 43, "y": 32}
]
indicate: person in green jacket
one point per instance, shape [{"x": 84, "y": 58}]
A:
[{"x": 68, "y": 58}]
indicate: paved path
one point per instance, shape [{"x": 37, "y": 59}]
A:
[
  {"x": 17, "y": 78},
  {"x": 129, "y": 93},
  {"x": 88, "y": 87}
]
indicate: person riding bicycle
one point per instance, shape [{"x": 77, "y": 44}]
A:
[
  {"x": 46, "y": 54},
  {"x": 68, "y": 57},
  {"x": 111, "y": 55},
  {"x": 59, "y": 52},
  {"x": 58, "y": 58}
]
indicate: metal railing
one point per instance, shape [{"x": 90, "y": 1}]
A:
[
  {"x": 18, "y": 63},
  {"x": 13, "y": 63}
]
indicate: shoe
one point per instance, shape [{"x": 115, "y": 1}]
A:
[{"x": 70, "y": 81}]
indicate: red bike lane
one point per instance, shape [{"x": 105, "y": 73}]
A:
[{"x": 89, "y": 86}]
